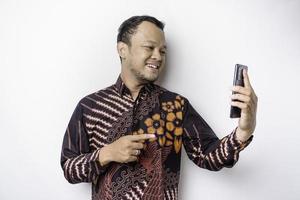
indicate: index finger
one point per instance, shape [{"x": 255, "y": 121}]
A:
[
  {"x": 141, "y": 137},
  {"x": 246, "y": 79}
]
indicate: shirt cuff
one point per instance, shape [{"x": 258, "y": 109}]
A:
[
  {"x": 237, "y": 144},
  {"x": 98, "y": 168}
]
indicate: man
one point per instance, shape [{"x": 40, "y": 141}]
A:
[{"x": 126, "y": 139}]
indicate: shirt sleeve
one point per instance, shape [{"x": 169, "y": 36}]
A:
[
  {"x": 78, "y": 162},
  {"x": 202, "y": 145}
]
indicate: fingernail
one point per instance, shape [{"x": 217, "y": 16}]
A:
[{"x": 151, "y": 135}]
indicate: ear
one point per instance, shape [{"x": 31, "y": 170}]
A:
[{"x": 122, "y": 49}]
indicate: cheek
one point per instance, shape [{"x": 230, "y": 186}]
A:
[
  {"x": 140, "y": 55},
  {"x": 163, "y": 61},
  {"x": 146, "y": 55},
  {"x": 143, "y": 58}
]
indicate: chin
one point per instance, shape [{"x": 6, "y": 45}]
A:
[
  {"x": 146, "y": 77},
  {"x": 150, "y": 78}
]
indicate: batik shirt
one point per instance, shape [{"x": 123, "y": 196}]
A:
[{"x": 104, "y": 116}]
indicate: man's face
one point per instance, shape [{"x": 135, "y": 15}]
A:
[{"x": 145, "y": 57}]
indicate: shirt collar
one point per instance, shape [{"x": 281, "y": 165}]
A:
[{"x": 122, "y": 88}]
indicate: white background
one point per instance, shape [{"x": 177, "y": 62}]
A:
[{"x": 52, "y": 53}]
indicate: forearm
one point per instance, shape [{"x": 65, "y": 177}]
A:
[
  {"x": 222, "y": 153},
  {"x": 83, "y": 167}
]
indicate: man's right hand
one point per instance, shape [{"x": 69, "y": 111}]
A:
[{"x": 125, "y": 149}]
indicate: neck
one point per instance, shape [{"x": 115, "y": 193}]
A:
[{"x": 132, "y": 84}]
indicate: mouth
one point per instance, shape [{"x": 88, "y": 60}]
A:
[{"x": 153, "y": 66}]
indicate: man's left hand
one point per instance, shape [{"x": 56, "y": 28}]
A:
[{"x": 247, "y": 102}]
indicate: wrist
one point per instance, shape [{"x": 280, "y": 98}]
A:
[
  {"x": 104, "y": 156},
  {"x": 242, "y": 135}
]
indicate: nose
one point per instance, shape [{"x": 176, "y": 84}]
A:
[{"x": 156, "y": 55}]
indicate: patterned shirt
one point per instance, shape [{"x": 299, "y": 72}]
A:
[{"x": 104, "y": 116}]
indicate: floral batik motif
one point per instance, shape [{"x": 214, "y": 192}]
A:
[{"x": 167, "y": 126}]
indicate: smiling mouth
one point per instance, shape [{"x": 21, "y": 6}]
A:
[{"x": 152, "y": 66}]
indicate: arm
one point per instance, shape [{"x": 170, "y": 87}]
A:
[
  {"x": 204, "y": 148},
  {"x": 78, "y": 162}
]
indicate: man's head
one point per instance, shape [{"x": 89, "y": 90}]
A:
[{"x": 142, "y": 48}]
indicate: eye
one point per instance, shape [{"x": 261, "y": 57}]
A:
[
  {"x": 149, "y": 47},
  {"x": 163, "y": 52}
]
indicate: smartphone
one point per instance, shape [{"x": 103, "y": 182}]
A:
[{"x": 238, "y": 79}]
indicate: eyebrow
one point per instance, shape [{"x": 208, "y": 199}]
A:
[{"x": 153, "y": 42}]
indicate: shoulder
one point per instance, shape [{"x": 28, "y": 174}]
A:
[{"x": 91, "y": 100}]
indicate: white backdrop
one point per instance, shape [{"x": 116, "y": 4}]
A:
[{"x": 52, "y": 53}]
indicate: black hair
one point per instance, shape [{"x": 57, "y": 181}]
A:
[{"x": 129, "y": 26}]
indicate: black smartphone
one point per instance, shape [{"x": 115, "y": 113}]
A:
[{"x": 238, "y": 79}]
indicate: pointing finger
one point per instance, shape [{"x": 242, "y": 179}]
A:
[{"x": 142, "y": 137}]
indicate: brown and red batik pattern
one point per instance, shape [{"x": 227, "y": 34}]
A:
[{"x": 102, "y": 117}]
